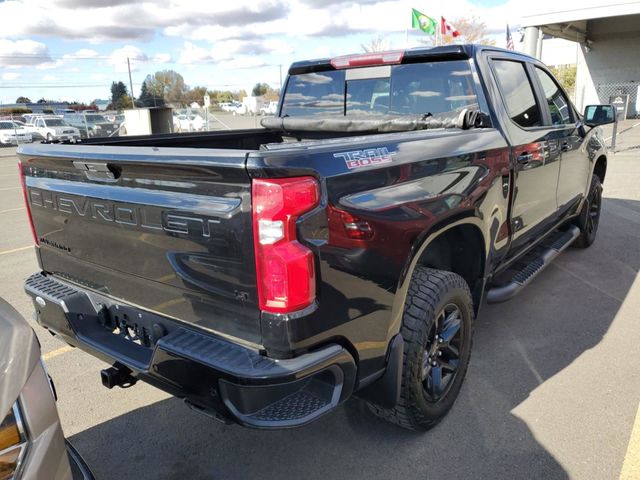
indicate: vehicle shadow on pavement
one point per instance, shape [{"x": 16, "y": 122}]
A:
[{"x": 518, "y": 346}]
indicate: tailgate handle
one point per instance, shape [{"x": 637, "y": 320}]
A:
[{"x": 100, "y": 171}]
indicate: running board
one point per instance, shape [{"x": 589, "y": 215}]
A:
[{"x": 527, "y": 273}]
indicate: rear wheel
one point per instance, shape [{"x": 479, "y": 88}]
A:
[
  {"x": 589, "y": 217},
  {"x": 437, "y": 331}
]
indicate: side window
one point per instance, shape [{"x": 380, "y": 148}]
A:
[
  {"x": 40, "y": 123},
  {"x": 558, "y": 103},
  {"x": 518, "y": 93}
]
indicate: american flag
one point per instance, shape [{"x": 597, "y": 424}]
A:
[{"x": 509, "y": 39}]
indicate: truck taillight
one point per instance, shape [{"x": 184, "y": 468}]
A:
[
  {"x": 285, "y": 267},
  {"x": 23, "y": 183}
]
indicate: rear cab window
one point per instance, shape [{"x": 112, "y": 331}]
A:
[{"x": 413, "y": 89}]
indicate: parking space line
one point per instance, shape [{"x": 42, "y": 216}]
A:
[
  {"x": 55, "y": 353},
  {"x": 9, "y": 188},
  {"x": 11, "y": 210},
  {"x": 14, "y": 250},
  {"x": 631, "y": 463},
  {"x": 625, "y": 130}
]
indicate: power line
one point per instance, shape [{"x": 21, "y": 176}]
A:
[{"x": 42, "y": 85}]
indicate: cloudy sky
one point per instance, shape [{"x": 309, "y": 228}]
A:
[{"x": 69, "y": 49}]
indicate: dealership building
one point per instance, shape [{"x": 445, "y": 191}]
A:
[{"x": 606, "y": 51}]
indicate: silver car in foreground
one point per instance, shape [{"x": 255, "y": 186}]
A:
[{"x": 32, "y": 446}]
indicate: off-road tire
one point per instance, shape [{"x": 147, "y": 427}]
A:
[
  {"x": 589, "y": 217},
  {"x": 429, "y": 293}
]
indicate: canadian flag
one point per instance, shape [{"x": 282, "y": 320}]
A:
[{"x": 448, "y": 29}]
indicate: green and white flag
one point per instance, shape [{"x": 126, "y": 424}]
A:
[{"x": 423, "y": 22}]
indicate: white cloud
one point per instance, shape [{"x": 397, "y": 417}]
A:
[
  {"x": 98, "y": 21},
  {"x": 242, "y": 62},
  {"x": 49, "y": 78},
  {"x": 191, "y": 53},
  {"x": 82, "y": 54},
  {"x": 118, "y": 58},
  {"x": 50, "y": 65},
  {"x": 21, "y": 53},
  {"x": 233, "y": 52},
  {"x": 10, "y": 76},
  {"x": 161, "y": 58}
]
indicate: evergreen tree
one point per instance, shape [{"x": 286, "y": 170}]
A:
[
  {"x": 145, "y": 99},
  {"x": 120, "y": 96}
]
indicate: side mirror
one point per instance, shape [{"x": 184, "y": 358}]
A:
[{"x": 599, "y": 115}]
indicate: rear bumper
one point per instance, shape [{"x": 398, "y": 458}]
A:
[{"x": 220, "y": 378}]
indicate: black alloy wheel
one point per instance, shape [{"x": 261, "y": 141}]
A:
[{"x": 442, "y": 352}]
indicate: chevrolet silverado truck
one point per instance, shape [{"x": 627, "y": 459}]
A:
[{"x": 267, "y": 275}]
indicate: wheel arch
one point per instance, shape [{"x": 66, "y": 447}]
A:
[
  {"x": 600, "y": 168},
  {"x": 435, "y": 248}
]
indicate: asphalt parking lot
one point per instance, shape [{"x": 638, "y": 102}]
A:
[{"x": 552, "y": 391}]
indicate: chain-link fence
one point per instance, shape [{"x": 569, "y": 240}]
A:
[
  {"x": 625, "y": 135},
  {"x": 609, "y": 91}
]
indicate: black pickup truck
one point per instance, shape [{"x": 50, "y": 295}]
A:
[{"x": 267, "y": 275}]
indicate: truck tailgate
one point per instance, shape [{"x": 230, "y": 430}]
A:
[{"x": 166, "y": 229}]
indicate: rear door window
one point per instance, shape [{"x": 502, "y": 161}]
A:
[{"x": 517, "y": 93}]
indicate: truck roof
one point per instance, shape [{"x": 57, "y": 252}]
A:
[{"x": 411, "y": 55}]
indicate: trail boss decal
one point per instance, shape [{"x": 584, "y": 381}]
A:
[{"x": 366, "y": 158}]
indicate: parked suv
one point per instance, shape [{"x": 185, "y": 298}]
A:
[
  {"x": 91, "y": 124},
  {"x": 53, "y": 128}
]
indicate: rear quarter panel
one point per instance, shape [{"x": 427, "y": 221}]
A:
[{"x": 419, "y": 183}]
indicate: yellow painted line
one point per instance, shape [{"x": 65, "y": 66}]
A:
[
  {"x": 12, "y": 210},
  {"x": 55, "y": 353},
  {"x": 6, "y": 252},
  {"x": 631, "y": 464}
]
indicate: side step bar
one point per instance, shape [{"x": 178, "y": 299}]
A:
[{"x": 527, "y": 273}]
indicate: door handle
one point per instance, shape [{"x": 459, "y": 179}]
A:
[{"x": 524, "y": 158}]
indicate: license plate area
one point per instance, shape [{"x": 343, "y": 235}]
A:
[{"x": 132, "y": 326}]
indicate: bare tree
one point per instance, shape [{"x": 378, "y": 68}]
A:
[
  {"x": 377, "y": 44},
  {"x": 472, "y": 30}
]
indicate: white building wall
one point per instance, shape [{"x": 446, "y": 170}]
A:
[
  {"x": 613, "y": 58},
  {"x": 556, "y": 51}
]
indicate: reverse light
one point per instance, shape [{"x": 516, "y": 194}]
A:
[
  {"x": 25, "y": 194},
  {"x": 13, "y": 443},
  {"x": 285, "y": 268},
  {"x": 355, "y": 227},
  {"x": 392, "y": 57}
]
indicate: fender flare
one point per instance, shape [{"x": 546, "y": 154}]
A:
[{"x": 420, "y": 245}]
